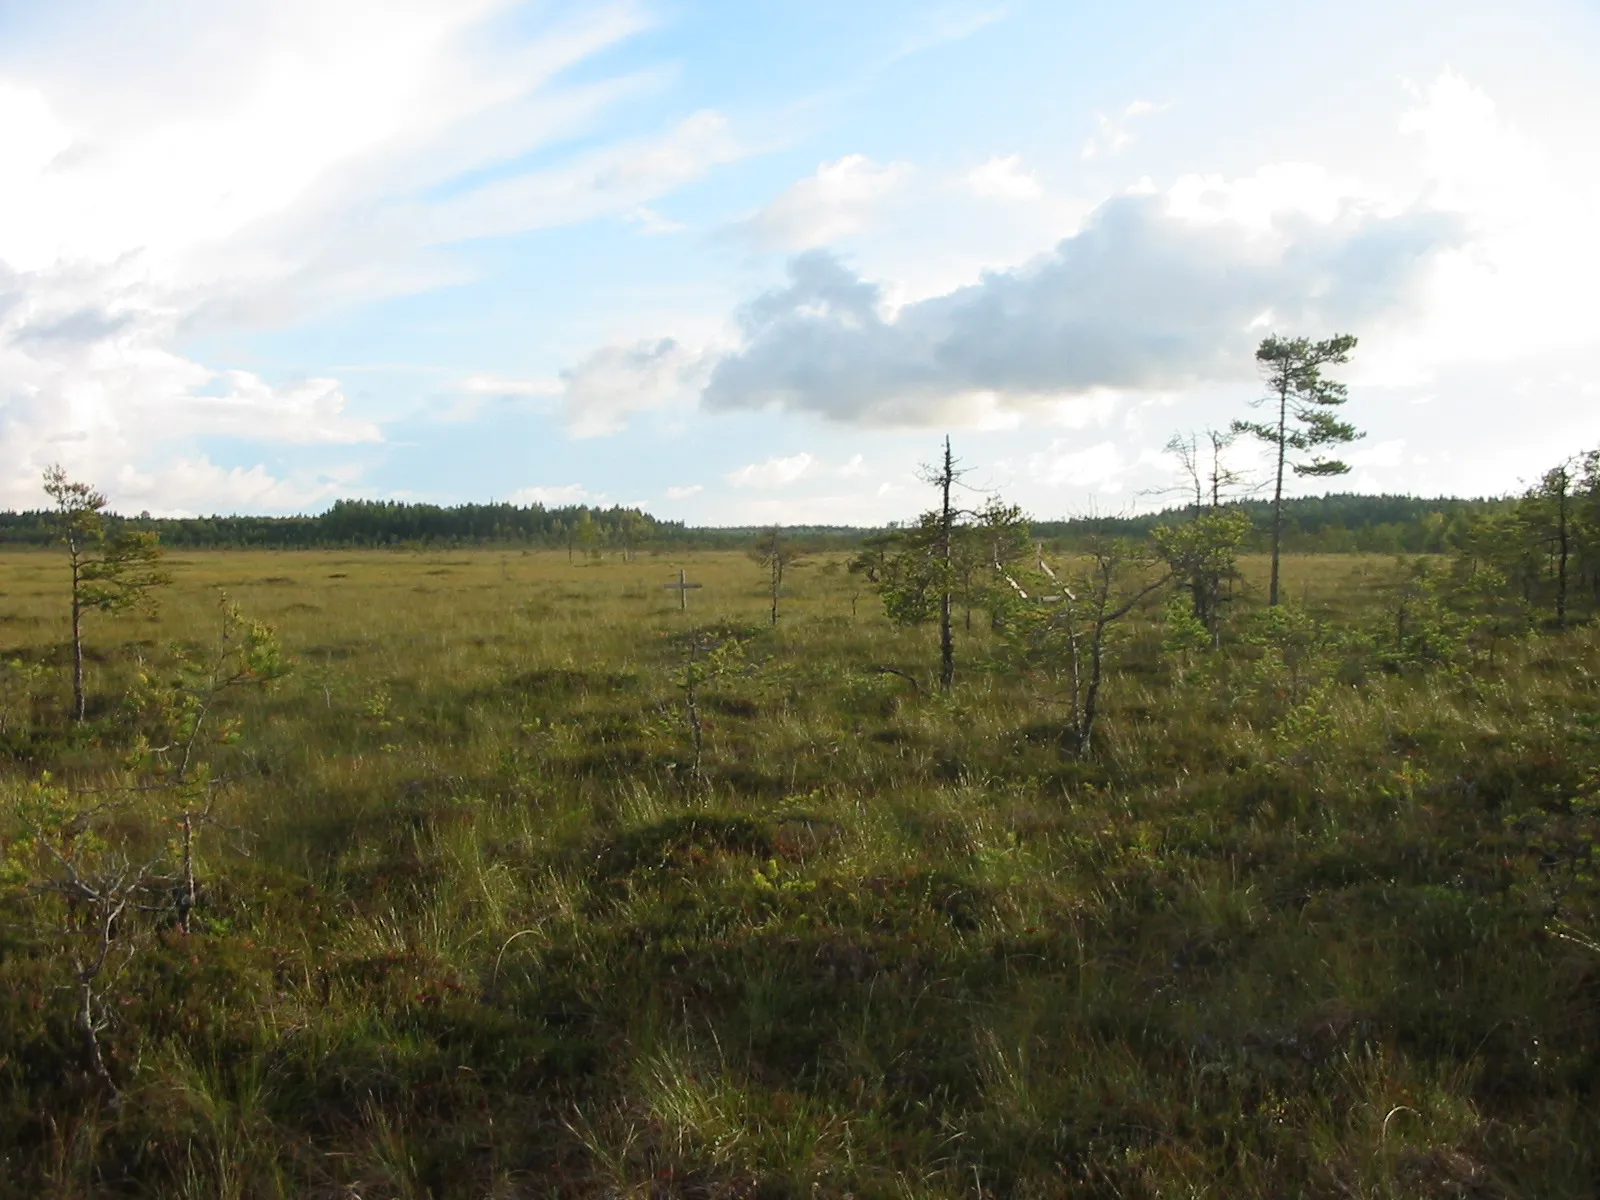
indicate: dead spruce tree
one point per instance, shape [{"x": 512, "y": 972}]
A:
[{"x": 1208, "y": 481}]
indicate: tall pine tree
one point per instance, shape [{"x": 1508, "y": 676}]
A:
[{"x": 1305, "y": 422}]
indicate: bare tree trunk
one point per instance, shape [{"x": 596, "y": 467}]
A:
[
  {"x": 1091, "y": 697},
  {"x": 187, "y": 897},
  {"x": 91, "y": 1037},
  {"x": 947, "y": 644},
  {"x": 1277, "y": 493},
  {"x": 88, "y": 1027},
  {"x": 1077, "y": 676},
  {"x": 1097, "y": 644},
  {"x": 1564, "y": 546},
  {"x": 79, "y": 701}
]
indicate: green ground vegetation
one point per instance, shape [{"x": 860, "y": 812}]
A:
[{"x": 490, "y": 873}]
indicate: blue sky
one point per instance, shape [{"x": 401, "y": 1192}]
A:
[{"x": 750, "y": 262}]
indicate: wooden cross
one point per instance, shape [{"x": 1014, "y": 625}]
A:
[{"x": 682, "y": 588}]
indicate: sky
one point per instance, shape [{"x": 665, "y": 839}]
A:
[{"x": 750, "y": 262}]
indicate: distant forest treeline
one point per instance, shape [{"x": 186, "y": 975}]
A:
[
  {"x": 1319, "y": 524},
  {"x": 1336, "y": 524},
  {"x": 351, "y": 523}
]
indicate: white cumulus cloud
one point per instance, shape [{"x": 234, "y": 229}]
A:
[
  {"x": 1141, "y": 298},
  {"x": 88, "y": 377},
  {"x": 615, "y": 382},
  {"x": 1390, "y": 453},
  {"x": 557, "y": 496},
  {"x": 773, "y": 473},
  {"x": 1003, "y": 179},
  {"x": 1517, "y": 289}
]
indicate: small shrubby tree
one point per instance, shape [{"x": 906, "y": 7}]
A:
[
  {"x": 176, "y": 710},
  {"x": 88, "y": 888},
  {"x": 111, "y": 572},
  {"x": 1542, "y": 548},
  {"x": 1496, "y": 612},
  {"x": 997, "y": 542},
  {"x": 103, "y": 871},
  {"x": 1423, "y": 627},
  {"x": 1064, "y": 629},
  {"x": 588, "y": 534},
  {"x": 950, "y": 555},
  {"x": 776, "y": 556},
  {"x": 1298, "y": 651},
  {"x": 1499, "y": 547},
  {"x": 873, "y": 562},
  {"x": 1586, "y": 522},
  {"x": 708, "y": 655},
  {"x": 1549, "y": 515},
  {"x": 634, "y": 530},
  {"x": 903, "y": 567},
  {"x": 1203, "y": 556},
  {"x": 1204, "y": 552}
]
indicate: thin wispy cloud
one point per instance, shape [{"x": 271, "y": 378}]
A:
[
  {"x": 315, "y": 175},
  {"x": 1114, "y": 134},
  {"x": 489, "y": 385},
  {"x": 942, "y": 26},
  {"x": 840, "y": 199}
]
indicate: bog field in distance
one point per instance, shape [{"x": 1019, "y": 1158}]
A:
[{"x": 472, "y": 916}]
